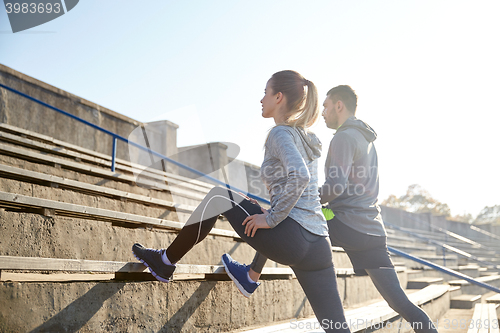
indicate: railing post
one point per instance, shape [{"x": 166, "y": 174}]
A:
[
  {"x": 113, "y": 154},
  {"x": 444, "y": 256}
]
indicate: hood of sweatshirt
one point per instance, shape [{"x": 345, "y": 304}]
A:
[
  {"x": 361, "y": 126},
  {"x": 311, "y": 143}
]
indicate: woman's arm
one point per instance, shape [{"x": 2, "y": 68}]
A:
[{"x": 281, "y": 145}]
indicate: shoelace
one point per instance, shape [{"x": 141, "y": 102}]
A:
[
  {"x": 159, "y": 251},
  {"x": 237, "y": 264}
]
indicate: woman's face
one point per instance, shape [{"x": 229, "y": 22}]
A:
[{"x": 269, "y": 102}]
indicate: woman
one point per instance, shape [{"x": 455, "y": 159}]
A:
[{"x": 294, "y": 231}]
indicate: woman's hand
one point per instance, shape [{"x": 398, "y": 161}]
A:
[{"x": 254, "y": 222}]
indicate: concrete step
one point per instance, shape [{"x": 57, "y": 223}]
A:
[
  {"x": 405, "y": 239},
  {"x": 410, "y": 264},
  {"x": 465, "y": 301},
  {"x": 464, "y": 243},
  {"x": 408, "y": 243},
  {"x": 149, "y": 176},
  {"x": 43, "y": 186},
  {"x": 71, "y": 152},
  {"x": 182, "y": 305},
  {"x": 108, "y": 199},
  {"x": 179, "y": 306},
  {"x": 408, "y": 247},
  {"x": 418, "y": 251},
  {"x": 174, "y": 187},
  {"x": 67, "y": 237},
  {"x": 71, "y": 236},
  {"x": 455, "y": 321},
  {"x": 179, "y": 196},
  {"x": 484, "y": 319},
  {"x": 455, "y": 291},
  {"x": 123, "y": 270},
  {"x": 375, "y": 317},
  {"x": 469, "y": 288},
  {"x": 472, "y": 271},
  {"x": 422, "y": 282},
  {"x": 494, "y": 299}
]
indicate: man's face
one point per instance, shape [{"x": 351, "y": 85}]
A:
[{"x": 329, "y": 114}]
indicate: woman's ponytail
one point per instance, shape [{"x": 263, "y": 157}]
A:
[{"x": 302, "y": 98}]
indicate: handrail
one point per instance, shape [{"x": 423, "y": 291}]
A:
[
  {"x": 454, "y": 235},
  {"x": 444, "y": 270},
  {"x": 443, "y": 245},
  {"x": 449, "y": 233},
  {"x": 484, "y": 232},
  {"x": 118, "y": 137}
]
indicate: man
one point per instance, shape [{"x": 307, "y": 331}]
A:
[{"x": 350, "y": 193}]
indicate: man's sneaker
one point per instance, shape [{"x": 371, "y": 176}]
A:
[
  {"x": 239, "y": 274},
  {"x": 152, "y": 259}
]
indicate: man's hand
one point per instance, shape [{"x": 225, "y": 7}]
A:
[{"x": 254, "y": 222}]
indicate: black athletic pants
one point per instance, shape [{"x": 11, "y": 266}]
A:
[
  {"x": 384, "y": 278},
  {"x": 309, "y": 255}
]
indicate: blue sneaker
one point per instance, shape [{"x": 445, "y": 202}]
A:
[
  {"x": 152, "y": 259},
  {"x": 239, "y": 274}
]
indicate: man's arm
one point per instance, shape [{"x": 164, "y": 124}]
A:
[{"x": 338, "y": 167}]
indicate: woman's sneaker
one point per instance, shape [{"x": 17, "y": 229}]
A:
[
  {"x": 152, "y": 259},
  {"x": 239, "y": 274}
]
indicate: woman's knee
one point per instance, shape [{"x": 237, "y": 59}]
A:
[
  {"x": 217, "y": 190},
  {"x": 225, "y": 192}
]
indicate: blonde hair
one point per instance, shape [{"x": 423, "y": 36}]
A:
[{"x": 301, "y": 95}]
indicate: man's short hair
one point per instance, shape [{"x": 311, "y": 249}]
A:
[{"x": 345, "y": 94}]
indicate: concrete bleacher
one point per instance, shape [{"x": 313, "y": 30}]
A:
[
  {"x": 67, "y": 224},
  {"x": 484, "y": 319},
  {"x": 66, "y": 220},
  {"x": 67, "y": 229}
]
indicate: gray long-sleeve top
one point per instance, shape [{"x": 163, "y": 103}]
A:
[
  {"x": 351, "y": 178},
  {"x": 290, "y": 173}
]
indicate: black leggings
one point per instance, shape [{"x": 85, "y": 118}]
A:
[
  {"x": 309, "y": 255},
  {"x": 367, "y": 251}
]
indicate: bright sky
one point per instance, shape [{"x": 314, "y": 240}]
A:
[{"x": 427, "y": 75}]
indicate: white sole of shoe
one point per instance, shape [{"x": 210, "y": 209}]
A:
[{"x": 159, "y": 278}]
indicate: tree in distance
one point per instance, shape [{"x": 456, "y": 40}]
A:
[{"x": 418, "y": 200}]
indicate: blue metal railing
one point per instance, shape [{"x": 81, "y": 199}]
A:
[
  {"x": 444, "y": 270},
  {"x": 448, "y": 233},
  {"x": 484, "y": 232},
  {"x": 118, "y": 137},
  {"x": 443, "y": 246},
  {"x": 460, "y": 238}
]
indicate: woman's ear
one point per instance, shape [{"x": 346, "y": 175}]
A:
[{"x": 279, "y": 97}]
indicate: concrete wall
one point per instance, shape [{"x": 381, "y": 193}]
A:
[
  {"x": 426, "y": 220},
  {"x": 159, "y": 136},
  {"x": 19, "y": 111},
  {"x": 214, "y": 159},
  {"x": 254, "y": 182}
]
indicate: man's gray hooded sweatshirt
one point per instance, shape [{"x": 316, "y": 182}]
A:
[
  {"x": 351, "y": 178},
  {"x": 290, "y": 173}
]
